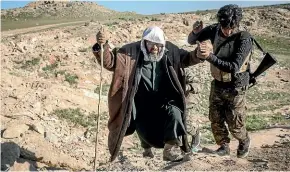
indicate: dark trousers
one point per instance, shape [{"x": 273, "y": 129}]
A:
[
  {"x": 228, "y": 106},
  {"x": 155, "y": 131}
]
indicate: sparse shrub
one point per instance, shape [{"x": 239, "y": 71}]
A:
[
  {"x": 30, "y": 63},
  {"x": 76, "y": 116},
  {"x": 71, "y": 78},
  {"x": 15, "y": 74},
  {"x": 199, "y": 12},
  {"x": 155, "y": 19},
  {"x": 69, "y": 4},
  {"x": 122, "y": 18},
  {"x": 50, "y": 68},
  {"x": 83, "y": 50},
  {"x": 206, "y": 134},
  {"x": 255, "y": 122},
  {"x": 207, "y": 137},
  {"x": 105, "y": 89},
  {"x": 60, "y": 72},
  {"x": 111, "y": 23},
  {"x": 278, "y": 118}
]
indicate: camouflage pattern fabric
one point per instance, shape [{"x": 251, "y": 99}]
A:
[
  {"x": 228, "y": 105},
  {"x": 193, "y": 88},
  {"x": 191, "y": 85}
]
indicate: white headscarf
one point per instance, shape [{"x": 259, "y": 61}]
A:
[{"x": 153, "y": 34}]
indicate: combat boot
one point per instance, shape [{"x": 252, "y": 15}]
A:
[
  {"x": 223, "y": 150},
  {"x": 243, "y": 148},
  {"x": 170, "y": 155},
  {"x": 148, "y": 153}
]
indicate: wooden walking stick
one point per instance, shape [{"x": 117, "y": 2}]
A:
[{"x": 99, "y": 103}]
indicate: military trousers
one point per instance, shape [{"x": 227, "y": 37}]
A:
[{"x": 227, "y": 112}]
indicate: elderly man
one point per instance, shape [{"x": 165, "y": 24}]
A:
[{"x": 147, "y": 92}]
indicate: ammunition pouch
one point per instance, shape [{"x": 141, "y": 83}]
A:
[
  {"x": 225, "y": 76},
  {"x": 220, "y": 75}
]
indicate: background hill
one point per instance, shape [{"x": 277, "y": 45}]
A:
[{"x": 52, "y": 12}]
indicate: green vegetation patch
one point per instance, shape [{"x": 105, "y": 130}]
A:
[
  {"x": 71, "y": 78},
  {"x": 275, "y": 45},
  {"x": 266, "y": 100},
  {"x": 262, "y": 121},
  {"x": 76, "y": 116},
  {"x": 30, "y": 63},
  {"x": 105, "y": 88},
  {"x": 50, "y": 68}
]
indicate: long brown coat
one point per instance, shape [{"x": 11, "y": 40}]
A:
[{"x": 123, "y": 62}]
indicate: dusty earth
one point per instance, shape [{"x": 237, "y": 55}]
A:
[{"x": 49, "y": 75}]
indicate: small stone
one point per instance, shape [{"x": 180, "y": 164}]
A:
[
  {"x": 19, "y": 48},
  {"x": 88, "y": 134},
  {"x": 38, "y": 128},
  {"x": 15, "y": 131},
  {"x": 82, "y": 138},
  {"x": 49, "y": 136},
  {"x": 66, "y": 84}
]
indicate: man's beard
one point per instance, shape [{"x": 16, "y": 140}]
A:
[{"x": 154, "y": 57}]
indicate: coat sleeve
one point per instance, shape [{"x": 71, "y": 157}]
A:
[
  {"x": 189, "y": 58},
  {"x": 108, "y": 55}
]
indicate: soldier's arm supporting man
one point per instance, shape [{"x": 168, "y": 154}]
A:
[
  {"x": 234, "y": 63},
  {"x": 205, "y": 34}
]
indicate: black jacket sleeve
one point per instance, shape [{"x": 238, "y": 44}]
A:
[
  {"x": 205, "y": 34},
  {"x": 234, "y": 63}
]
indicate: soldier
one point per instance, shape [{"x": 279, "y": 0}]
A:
[{"x": 229, "y": 64}]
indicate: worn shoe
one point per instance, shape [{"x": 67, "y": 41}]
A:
[
  {"x": 169, "y": 155},
  {"x": 148, "y": 153},
  {"x": 223, "y": 150},
  {"x": 243, "y": 148}
]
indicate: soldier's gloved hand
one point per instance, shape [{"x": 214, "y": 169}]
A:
[
  {"x": 197, "y": 26},
  {"x": 102, "y": 36}
]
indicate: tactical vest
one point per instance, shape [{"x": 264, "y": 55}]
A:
[{"x": 224, "y": 52}]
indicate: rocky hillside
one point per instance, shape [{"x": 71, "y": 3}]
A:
[
  {"x": 57, "y": 9},
  {"x": 51, "y": 12},
  {"x": 273, "y": 17},
  {"x": 49, "y": 95}
]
